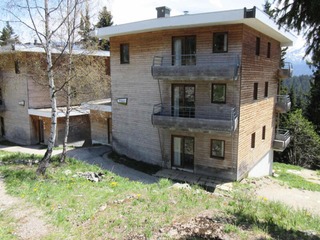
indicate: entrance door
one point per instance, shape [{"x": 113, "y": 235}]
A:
[
  {"x": 184, "y": 50},
  {"x": 183, "y": 152},
  {"x": 183, "y": 100},
  {"x": 41, "y": 131}
]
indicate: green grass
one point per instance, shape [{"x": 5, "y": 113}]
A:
[
  {"x": 293, "y": 180},
  {"x": 116, "y": 207},
  {"x": 7, "y": 228}
]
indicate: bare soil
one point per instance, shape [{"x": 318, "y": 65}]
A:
[
  {"x": 271, "y": 189},
  {"x": 30, "y": 221}
]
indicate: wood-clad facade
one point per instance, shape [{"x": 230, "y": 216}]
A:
[{"x": 199, "y": 92}]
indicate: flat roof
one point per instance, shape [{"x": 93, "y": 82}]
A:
[
  {"x": 31, "y": 48},
  {"x": 103, "y": 105},
  {"x": 260, "y": 22},
  {"x": 61, "y": 112}
]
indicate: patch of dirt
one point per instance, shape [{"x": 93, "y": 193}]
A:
[
  {"x": 30, "y": 221},
  {"x": 271, "y": 189},
  {"x": 307, "y": 174}
]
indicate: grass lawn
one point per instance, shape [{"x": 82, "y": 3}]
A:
[
  {"x": 117, "y": 208},
  {"x": 293, "y": 180}
]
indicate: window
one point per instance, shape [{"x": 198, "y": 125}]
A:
[
  {"x": 266, "y": 89},
  {"x": 217, "y": 148},
  {"x": 2, "y": 132},
  {"x": 253, "y": 140},
  {"x": 124, "y": 53},
  {"x": 255, "y": 91},
  {"x": 263, "y": 132},
  {"x": 218, "y": 93},
  {"x": 220, "y": 42},
  {"x": 269, "y": 50},
  {"x": 258, "y": 46},
  {"x": 184, "y": 50}
]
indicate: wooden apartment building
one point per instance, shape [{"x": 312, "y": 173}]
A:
[
  {"x": 25, "y": 108},
  {"x": 199, "y": 92}
]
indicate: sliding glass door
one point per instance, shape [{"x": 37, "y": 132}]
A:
[{"x": 183, "y": 152}]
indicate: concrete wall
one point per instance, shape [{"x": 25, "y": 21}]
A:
[
  {"x": 17, "y": 123},
  {"x": 101, "y": 126}
]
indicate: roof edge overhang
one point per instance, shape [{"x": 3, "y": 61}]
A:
[
  {"x": 61, "y": 112},
  {"x": 261, "y": 22}
]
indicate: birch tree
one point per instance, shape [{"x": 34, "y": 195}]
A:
[{"x": 42, "y": 20}]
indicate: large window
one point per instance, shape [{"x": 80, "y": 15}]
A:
[
  {"x": 218, "y": 93},
  {"x": 184, "y": 50},
  {"x": 124, "y": 53},
  {"x": 217, "y": 148},
  {"x": 220, "y": 42}
]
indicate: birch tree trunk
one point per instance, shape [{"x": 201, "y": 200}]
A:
[{"x": 45, "y": 161}]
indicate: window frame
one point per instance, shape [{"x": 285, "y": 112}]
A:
[
  {"x": 269, "y": 50},
  {"x": 225, "y": 42},
  {"x": 122, "y": 53},
  {"x": 225, "y": 92},
  {"x": 255, "y": 90},
  {"x": 223, "y": 149},
  {"x": 253, "y": 140},
  {"x": 263, "y": 136},
  {"x": 258, "y": 44},
  {"x": 266, "y": 89}
]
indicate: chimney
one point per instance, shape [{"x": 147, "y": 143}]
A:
[{"x": 163, "y": 12}]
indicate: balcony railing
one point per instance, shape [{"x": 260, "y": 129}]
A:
[
  {"x": 283, "y": 103},
  {"x": 215, "y": 119},
  {"x": 2, "y": 106},
  {"x": 286, "y": 71},
  {"x": 282, "y": 140},
  {"x": 222, "y": 66}
]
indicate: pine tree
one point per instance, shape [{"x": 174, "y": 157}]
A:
[
  {"x": 6, "y": 34},
  {"x": 105, "y": 20},
  {"x": 85, "y": 29},
  {"x": 313, "y": 106}
]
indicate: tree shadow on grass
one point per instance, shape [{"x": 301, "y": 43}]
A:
[{"x": 247, "y": 221}]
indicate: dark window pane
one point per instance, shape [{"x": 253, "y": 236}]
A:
[
  {"x": 263, "y": 132},
  {"x": 253, "y": 140},
  {"x": 269, "y": 50},
  {"x": 257, "y": 46},
  {"x": 217, "y": 148},
  {"x": 124, "y": 53},
  {"x": 255, "y": 91},
  {"x": 220, "y": 42},
  {"x": 266, "y": 89},
  {"x": 218, "y": 93}
]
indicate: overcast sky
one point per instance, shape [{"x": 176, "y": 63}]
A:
[{"x": 125, "y": 11}]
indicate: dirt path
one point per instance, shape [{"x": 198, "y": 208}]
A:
[
  {"x": 299, "y": 199},
  {"x": 30, "y": 221}
]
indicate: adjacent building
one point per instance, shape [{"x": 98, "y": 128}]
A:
[{"x": 25, "y": 109}]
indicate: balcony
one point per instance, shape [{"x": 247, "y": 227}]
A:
[
  {"x": 196, "y": 119},
  {"x": 283, "y": 103},
  {"x": 282, "y": 140},
  {"x": 221, "y": 66},
  {"x": 286, "y": 71},
  {"x": 2, "y": 106}
]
